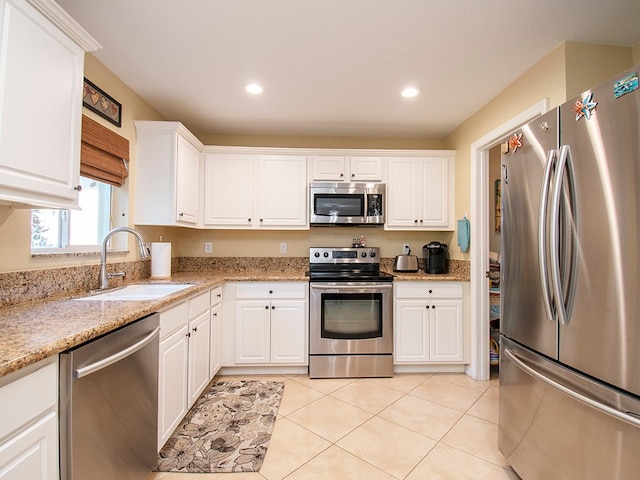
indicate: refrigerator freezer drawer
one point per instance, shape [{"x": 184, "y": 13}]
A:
[{"x": 557, "y": 424}]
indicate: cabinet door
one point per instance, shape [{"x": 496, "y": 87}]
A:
[
  {"x": 365, "y": 169},
  {"x": 172, "y": 383},
  {"x": 199, "y": 350},
  {"x": 40, "y": 119},
  {"x": 411, "y": 331},
  {"x": 289, "y": 331},
  {"x": 446, "y": 335},
  {"x": 187, "y": 182},
  {"x": 329, "y": 168},
  {"x": 228, "y": 190},
  {"x": 434, "y": 198},
  {"x": 32, "y": 454},
  {"x": 283, "y": 191},
  {"x": 253, "y": 338},
  {"x": 216, "y": 340},
  {"x": 402, "y": 193}
]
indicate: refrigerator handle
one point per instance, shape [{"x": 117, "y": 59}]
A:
[
  {"x": 556, "y": 282},
  {"x": 543, "y": 235},
  {"x": 521, "y": 364}
]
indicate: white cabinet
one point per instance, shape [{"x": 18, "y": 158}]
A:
[
  {"x": 271, "y": 323},
  {"x": 41, "y": 90},
  {"x": 29, "y": 423},
  {"x": 420, "y": 193},
  {"x": 184, "y": 364},
  {"x": 216, "y": 331},
  {"x": 255, "y": 191},
  {"x": 337, "y": 168},
  {"x": 428, "y": 322},
  {"x": 167, "y": 175}
]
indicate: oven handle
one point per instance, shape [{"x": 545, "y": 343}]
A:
[{"x": 347, "y": 287}]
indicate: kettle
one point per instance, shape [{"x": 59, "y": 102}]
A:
[{"x": 436, "y": 257}]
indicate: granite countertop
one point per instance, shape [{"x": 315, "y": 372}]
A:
[{"x": 33, "y": 331}]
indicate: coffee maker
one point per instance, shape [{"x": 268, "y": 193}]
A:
[{"x": 436, "y": 257}]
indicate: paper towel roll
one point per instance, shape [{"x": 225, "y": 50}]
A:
[{"x": 160, "y": 260}]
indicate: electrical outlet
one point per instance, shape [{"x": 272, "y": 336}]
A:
[
  {"x": 208, "y": 247},
  {"x": 406, "y": 249},
  {"x": 283, "y": 247}
]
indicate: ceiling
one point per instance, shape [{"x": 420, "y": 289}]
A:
[{"x": 336, "y": 67}]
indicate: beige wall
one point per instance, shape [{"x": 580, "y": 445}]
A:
[
  {"x": 15, "y": 224},
  {"x": 566, "y": 71},
  {"x": 568, "y": 68}
]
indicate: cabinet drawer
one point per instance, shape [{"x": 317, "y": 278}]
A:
[
  {"x": 428, "y": 290},
  {"x": 216, "y": 296},
  {"x": 26, "y": 398},
  {"x": 199, "y": 304},
  {"x": 271, "y": 290},
  {"x": 173, "y": 318}
]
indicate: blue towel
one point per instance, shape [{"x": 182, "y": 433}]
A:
[{"x": 464, "y": 233}]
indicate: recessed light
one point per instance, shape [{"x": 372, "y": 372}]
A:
[
  {"x": 409, "y": 92},
  {"x": 254, "y": 88}
]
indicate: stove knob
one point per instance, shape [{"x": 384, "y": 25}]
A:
[
  {"x": 372, "y": 254},
  {"x": 363, "y": 254},
  {"x": 317, "y": 254},
  {"x": 325, "y": 254}
]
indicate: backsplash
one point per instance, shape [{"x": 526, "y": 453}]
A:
[{"x": 38, "y": 285}]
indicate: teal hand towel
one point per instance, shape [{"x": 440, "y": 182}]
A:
[{"x": 464, "y": 233}]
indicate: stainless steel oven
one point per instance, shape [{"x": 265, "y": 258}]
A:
[{"x": 351, "y": 314}]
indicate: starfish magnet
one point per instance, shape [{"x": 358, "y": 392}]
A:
[
  {"x": 584, "y": 108},
  {"x": 515, "y": 142}
]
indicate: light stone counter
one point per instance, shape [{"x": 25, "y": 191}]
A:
[{"x": 35, "y": 330}]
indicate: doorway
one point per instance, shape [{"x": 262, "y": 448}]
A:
[{"x": 479, "y": 366}]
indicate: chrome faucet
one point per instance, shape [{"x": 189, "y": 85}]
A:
[{"x": 104, "y": 276}]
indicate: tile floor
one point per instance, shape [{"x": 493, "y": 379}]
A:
[{"x": 410, "y": 427}]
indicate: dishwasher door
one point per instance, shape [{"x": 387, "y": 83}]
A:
[{"x": 109, "y": 405}]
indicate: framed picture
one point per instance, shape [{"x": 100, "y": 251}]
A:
[{"x": 99, "y": 102}]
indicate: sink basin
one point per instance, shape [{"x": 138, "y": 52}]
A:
[{"x": 150, "y": 291}]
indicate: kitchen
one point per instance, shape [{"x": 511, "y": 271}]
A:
[{"x": 14, "y": 233}]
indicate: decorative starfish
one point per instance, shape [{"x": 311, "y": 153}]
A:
[
  {"x": 583, "y": 108},
  {"x": 515, "y": 142}
]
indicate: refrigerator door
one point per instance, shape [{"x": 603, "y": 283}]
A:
[
  {"x": 527, "y": 313},
  {"x": 556, "y": 424},
  {"x": 602, "y": 336}
]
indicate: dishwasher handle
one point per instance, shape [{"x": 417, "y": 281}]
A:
[{"x": 116, "y": 357}]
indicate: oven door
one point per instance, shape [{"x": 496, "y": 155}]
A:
[{"x": 350, "y": 318}]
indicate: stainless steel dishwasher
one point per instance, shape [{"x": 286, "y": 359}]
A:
[{"x": 109, "y": 405}]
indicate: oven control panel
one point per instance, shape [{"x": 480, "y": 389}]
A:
[{"x": 344, "y": 255}]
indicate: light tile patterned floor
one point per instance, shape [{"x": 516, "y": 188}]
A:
[{"x": 411, "y": 426}]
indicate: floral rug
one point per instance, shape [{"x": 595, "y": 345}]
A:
[{"x": 227, "y": 430}]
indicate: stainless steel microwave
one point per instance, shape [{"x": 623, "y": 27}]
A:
[{"x": 346, "y": 203}]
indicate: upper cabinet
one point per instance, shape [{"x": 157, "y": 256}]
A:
[
  {"x": 168, "y": 175},
  {"x": 420, "y": 193},
  {"x": 255, "y": 191},
  {"x": 334, "y": 168},
  {"x": 41, "y": 81}
]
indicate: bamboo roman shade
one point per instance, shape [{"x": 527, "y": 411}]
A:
[{"x": 103, "y": 153}]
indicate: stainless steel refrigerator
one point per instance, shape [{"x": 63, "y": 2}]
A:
[{"x": 570, "y": 289}]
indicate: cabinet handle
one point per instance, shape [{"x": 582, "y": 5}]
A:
[
  {"x": 181, "y": 214},
  {"x": 188, "y": 334},
  {"x": 270, "y": 291},
  {"x": 427, "y": 306},
  {"x": 273, "y": 307},
  {"x": 249, "y": 220},
  {"x": 215, "y": 314},
  {"x": 195, "y": 329},
  {"x": 341, "y": 175},
  {"x": 353, "y": 175},
  {"x": 421, "y": 221},
  {"x": 78, "y": 188},
  {"x": 262, "y": 220},
  {"x": 415, "y": 221},
  {"x": 430, "y": 291},
  {"x": 266, "y": 307}
]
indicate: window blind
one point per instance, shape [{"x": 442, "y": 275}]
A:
[{"x": 104, "y": 155}]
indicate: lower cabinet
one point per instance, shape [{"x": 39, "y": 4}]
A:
[
  {"x": 216, "y": 331},
  {"x": 428, "y": 322},
  {"x": 184, "y": 365},
  {"x": 29, "y": 423},
  {"x": 271, "y": 323}
]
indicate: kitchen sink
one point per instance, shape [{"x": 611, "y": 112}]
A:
[{"x": 150, "y": 291}]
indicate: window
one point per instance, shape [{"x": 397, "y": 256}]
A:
[{"x": 74, "y": 230}]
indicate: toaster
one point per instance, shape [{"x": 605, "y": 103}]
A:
[{"x": 405, "y": 263}]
